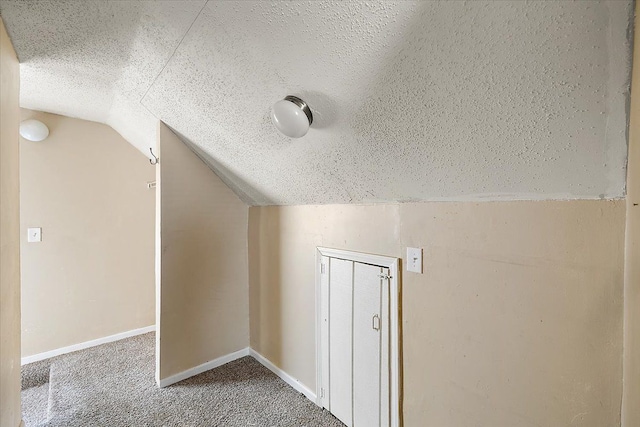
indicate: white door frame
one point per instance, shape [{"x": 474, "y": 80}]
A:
[{"x": 393, "y": 264}]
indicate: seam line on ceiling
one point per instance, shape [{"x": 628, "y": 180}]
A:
[{"x": 169, "y": 60}]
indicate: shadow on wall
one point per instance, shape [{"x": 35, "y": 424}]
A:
[{"x": 268, "y": 286}]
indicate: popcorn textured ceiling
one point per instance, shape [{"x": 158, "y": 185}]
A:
[{"x": 411, "y": 100}]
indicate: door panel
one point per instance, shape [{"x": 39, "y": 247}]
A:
[
  {"x": 324, "y": 333},
  {"x": 385, "y": 350},
  {"x": 367, "y": 327},
  {"x": 340, "y": 340},
  {"x": 355, "y": 353}
]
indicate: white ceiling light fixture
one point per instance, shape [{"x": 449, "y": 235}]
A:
[
  {"x": 33, "y": 130},
  {"x": 292, "y": 116}
]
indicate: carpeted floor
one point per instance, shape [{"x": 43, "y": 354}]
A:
[{"x": 113, "y": 385}]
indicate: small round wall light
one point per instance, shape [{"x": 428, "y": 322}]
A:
[
  {"x": 33, "y": 130},
  {"x": 292, "y": 116}
]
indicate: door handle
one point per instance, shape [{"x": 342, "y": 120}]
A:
[{"x": 375, "y": 322}]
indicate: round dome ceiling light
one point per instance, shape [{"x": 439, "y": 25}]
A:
[
  {"x": 33, "y": 130},
  {"x": 292, "y": 116}
]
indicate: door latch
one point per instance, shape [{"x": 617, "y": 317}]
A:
[{"x": 375, "y": 322}]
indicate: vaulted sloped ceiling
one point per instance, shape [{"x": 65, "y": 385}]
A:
[{"x": 411, "y": 100}]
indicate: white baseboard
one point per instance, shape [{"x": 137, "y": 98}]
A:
[
  {"x": 204, "y": 367},
  {"x": 86, "y": 344},
  {"x": 297, "y": 385}
]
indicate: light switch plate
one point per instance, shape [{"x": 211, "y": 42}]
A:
[
  {"x": 414, "y": 260},
  {"x": 34, "y": 234}
]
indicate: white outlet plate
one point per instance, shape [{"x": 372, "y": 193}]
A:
[
  {"x": 34, "y": 234},
  {"x": 414, "y": 260}
]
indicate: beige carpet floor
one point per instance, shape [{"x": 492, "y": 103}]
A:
[{"x": 113, "y": 385}]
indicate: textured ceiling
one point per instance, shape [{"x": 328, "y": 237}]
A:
[{"x": 411, "y": 100}]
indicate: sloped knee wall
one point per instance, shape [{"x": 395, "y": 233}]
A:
[{"x": 202, "y": 269}]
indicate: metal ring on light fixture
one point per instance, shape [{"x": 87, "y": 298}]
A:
[{"x": 303, "y": 106}]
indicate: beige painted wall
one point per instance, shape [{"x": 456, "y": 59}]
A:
[
  {"x": 204, "y": 281},
  {"x": 631, "y": 395},
  {"x": 516, "y": 321},
  {"x": 93, "y": 273},
  {"x": 10, "y": 414}
]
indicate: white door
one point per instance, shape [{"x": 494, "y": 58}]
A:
[
  {"x": 340, "y": 340},
  {"x": 355, "y": 342}
]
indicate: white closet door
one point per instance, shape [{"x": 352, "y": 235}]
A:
[
  {"x": 368, "y": 323},
  {"x": 340, "y": 340}
]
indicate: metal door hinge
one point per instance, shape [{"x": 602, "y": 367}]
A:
[
  {"x": 322, "y": 393},
  {"x": 384, "y": 276},
  {"x": 323, "y": 269}
]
